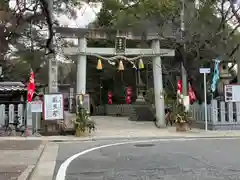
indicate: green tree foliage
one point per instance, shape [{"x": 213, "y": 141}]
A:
[
  {"x": 25, "y": 33},
  {"x": 208, "y": 34},
  {"x": 131, "y": 14}
]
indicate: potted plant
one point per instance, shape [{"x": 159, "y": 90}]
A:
[
  {"x": 83, "y": 122},
  {"x": 183, "y": 119}
]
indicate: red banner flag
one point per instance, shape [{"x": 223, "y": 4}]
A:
[
  {"x": 31, "y": 87},
  {"x": 191, "y": 94},
  {"x": 110, "y": 97},
  {"x": 179, "y": 87}
]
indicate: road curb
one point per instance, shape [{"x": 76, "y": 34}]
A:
[
  {"x": 46, "y": 163},
  {"x": 142, "y": 137},
  {"x": 24, "y": 175},
  {"x": 169, "y": 137},
  {"x": 72, "y": 138},
  {"x": 30, "y": 173}
]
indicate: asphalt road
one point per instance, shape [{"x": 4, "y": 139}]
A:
[{"x": 200, "y": 159}]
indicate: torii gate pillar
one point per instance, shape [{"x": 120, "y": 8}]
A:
[
  {"x": 157, "y": 72},
  {"x": 81, "y": 67},
  {"x": 158, "y": 85},
  {"x": 82, "y": 51}
]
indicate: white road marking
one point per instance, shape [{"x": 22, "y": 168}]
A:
[{"x": 61, "y": 174}]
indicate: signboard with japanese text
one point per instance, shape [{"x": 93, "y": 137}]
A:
[{"x": 53, "y": 107}]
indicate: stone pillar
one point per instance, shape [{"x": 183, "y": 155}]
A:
[
  {"x": 2, "y": 115},
  {"x": 71, "y": 100},
  {"x": 53, "y": 63},
  {"x": 158, "y": 85},
  {"x": 20, "y": 114},
  {"x": 214, "y": 111},
  {"x": 230, "y": 112},
  {"x": 53, "y": 74},
  {"x": 81, "y": 66},
  {"x": 238, "y": 111},
  {"x": 222, "y": 112}
]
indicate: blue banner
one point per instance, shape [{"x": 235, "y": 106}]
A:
[{"x": 215, "y": 75}]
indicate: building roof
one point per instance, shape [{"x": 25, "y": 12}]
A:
[{"x": 12, "y": 86}]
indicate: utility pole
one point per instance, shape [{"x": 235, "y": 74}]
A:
[
  {"x": 183, "y": 70},
  {"x": 53, "y": 64}
]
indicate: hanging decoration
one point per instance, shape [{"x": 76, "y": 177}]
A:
[
  {"x": 110, "y": 95},
  {"x": 121, "y": 67},
  {"x": 128, "y": 95},
  {"x": 140, "y": 64},
  {"x": 99, "y": 65}
]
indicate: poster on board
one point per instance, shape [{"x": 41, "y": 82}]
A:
[
  {"x": 231, "y": 93},
  {"x": 36, "y": 106},
  {"x": 53, "y": 107}
]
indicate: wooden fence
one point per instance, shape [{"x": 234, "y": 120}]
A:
[{"x": 221, "y": 115}]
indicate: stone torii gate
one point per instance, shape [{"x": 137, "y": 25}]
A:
[{"x": 82, "y": 51}]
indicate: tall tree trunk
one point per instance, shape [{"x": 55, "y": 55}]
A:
[{"x": 4, "y": 17}]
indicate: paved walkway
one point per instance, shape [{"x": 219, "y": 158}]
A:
[
  {"x": 121, "y": 127},
  {"x": 18, "y": 158},
  {"x": 44, "y": 170}
]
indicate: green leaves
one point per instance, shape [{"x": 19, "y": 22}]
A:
[{"x": 124, "y": 15}]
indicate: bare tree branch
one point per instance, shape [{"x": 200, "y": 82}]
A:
[
  {"x": 234, "y": 10},
  {"x": 45, "y": 9}
]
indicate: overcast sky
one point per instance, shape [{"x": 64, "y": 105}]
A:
[{"x": 85, "y": 15}]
